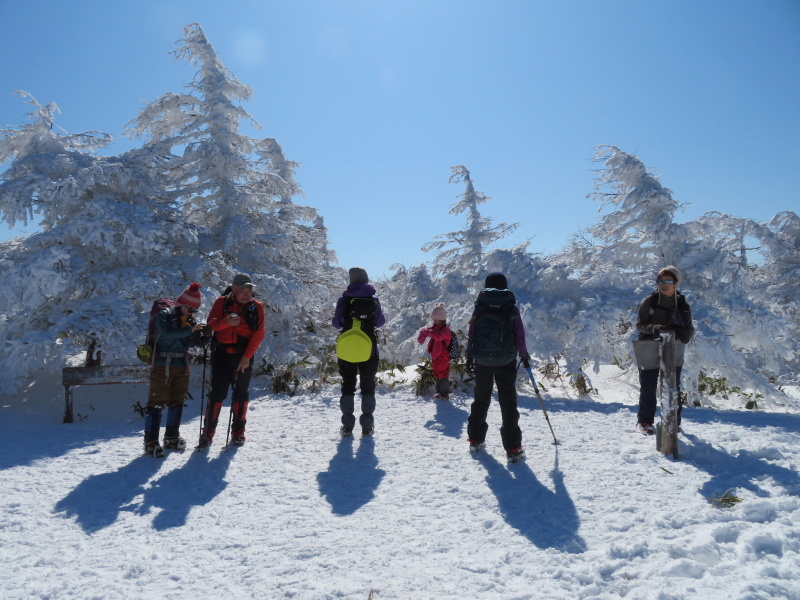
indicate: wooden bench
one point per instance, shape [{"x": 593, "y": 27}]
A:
[{"x": 103, "y": 375}]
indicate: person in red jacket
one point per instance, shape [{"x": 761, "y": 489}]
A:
[
  {"x": 237, "y": 320},
  {"x": 439, "y": 348}
]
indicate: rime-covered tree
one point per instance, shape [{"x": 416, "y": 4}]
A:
[
  {"x": 463, "y": 251},
  {"x": 109, "y": 244},
  {"x": 740, "y": 335},
  {"x": 407, "y": 299},
  {"x": 238, "y": 189}
]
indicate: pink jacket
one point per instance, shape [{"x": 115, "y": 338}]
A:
[{"x": 438, "y": 347}]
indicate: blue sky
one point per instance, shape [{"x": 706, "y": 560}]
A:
[{"x": 377, "y": 100}]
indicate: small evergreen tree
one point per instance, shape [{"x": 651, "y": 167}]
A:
[{"x": 463, "y": 251}]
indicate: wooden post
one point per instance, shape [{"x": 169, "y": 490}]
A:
[
  {"x": 668, "y": 438},
  {"x": 68, "y": 404}
]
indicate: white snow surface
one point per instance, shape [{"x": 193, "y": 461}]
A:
[{"x": 300, "y": 513}]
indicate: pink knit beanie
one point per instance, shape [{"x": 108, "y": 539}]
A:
[{"x": 438, "y": 313}]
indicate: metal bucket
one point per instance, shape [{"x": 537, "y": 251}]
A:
[{"x": 646, "y": 354}]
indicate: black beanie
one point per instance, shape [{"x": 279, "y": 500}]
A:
[{"x": 496, "y": 281}]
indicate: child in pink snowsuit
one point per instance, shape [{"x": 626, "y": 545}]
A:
[{"x": 439, "y": 349}]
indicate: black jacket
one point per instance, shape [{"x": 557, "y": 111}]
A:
[{"x": 672, "y": 313}]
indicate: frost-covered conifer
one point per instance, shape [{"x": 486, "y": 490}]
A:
[
  {"x": 108, "y": 246},
  {"x": 463, "y": 251},
  {"x": 740, "y": 335},
  {"x": 407, "y": 299},
  {"x": 458, "y": 269},
  {"x": 238, "y": 189}
]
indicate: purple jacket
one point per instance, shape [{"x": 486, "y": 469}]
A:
[{"x": 357, "y": 290}]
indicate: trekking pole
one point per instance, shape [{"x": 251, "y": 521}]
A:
[
  {"x": 228, "y": 433},
  {"x": 541, "y": 401},
  {"x": 230, "y": 415},
  {"x": 203, "y": 390}
]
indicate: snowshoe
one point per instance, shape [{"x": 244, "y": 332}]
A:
[
  {"x": 175, "y": 443},
  {"x": 367, "y": 431},
  {"x": 238, "y": 439},
  {"x": 204, "y": 443},
  {"x": 515, "y": 455},
  {"x": 345, "y": 431},
  {"x": 154, "y": 449},
  {"x": 438, "y": 396}
]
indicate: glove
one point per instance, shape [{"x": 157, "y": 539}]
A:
[
  {"x": 657, "y": 329},
  {"x": 526, "y": 360},
  {"x": 470, "y": 365},
  {"x": 683, "y": 335}
]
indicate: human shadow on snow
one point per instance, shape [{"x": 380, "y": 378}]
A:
[
  {"x": 449, "y": 420},
  {"x": 548, "y": 518},
  {"x": 54, "y": 439},
  {"x": 98, "y": 500},
  {"x": 196, "y": 483},
  {"x": 745, "y": 418},
  {"x": 743, "y": 470},
  {"x": 351, "y": 479}
]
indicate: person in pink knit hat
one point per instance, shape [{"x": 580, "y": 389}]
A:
[{"x": 441, "y": 338}]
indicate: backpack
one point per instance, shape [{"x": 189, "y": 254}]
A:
[
  {"x": 355, "y": 343},
  {"x": 492, "y": 340},
  {"x": 146, "y": 352},
  {"x": 455, "y": 346}
]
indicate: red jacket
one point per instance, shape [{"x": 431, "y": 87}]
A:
[
  {"x": 439, "y": 348},
  {"x": 226, "y": 334}
]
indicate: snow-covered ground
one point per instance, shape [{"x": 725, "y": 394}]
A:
[{"x": 410, "y": 514}]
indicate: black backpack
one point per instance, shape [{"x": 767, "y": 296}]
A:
[
  {"x": 493, "y": 334},
  {"x": 364, "y": 310},
  {"x": 455, "y": 346},
  {"x": 250, "y": 315}
]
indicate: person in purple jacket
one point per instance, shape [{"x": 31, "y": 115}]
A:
[
  {"x": 361, "y": 294},
  {"x": 496, "y": 336}
]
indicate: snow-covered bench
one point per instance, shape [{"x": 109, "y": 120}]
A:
[{"x": 74, "y": 376}]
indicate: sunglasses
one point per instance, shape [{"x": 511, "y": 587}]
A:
[
  {"x": 664, "y": 281},
  {"x": 191, "y": 310}
]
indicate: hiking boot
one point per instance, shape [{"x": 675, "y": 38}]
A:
[
  {"x": 647, "y": 428},
  {"x": 367, "y": 431},
  {"x": 345, "y": 431},
  {"x": 238, "y": 439},
  {"x": 204, "y": 442},
  {"x": 154, "y": 449},
  {"x": 515, "y": 455},
  {"x": 475, "y": 447},
  {"x": 175, "y": 443}
]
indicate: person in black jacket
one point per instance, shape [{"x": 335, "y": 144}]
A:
[
  {"x": 665, "y": 309},
  {"x": 492, "y": 358}
]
